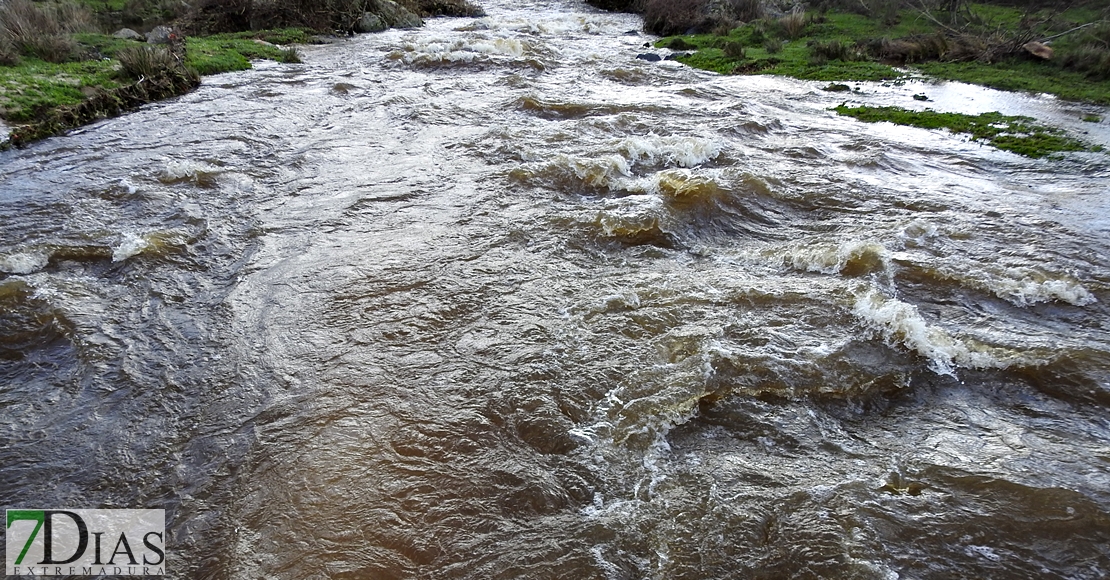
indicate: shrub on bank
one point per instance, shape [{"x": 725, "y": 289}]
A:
[
  {"x": 618, "y": 5},
  {"x": 429, "y": 8},
  {"x": 146, "y": 61},
  {"x": 793, "y": 24},
  {"x": 745, "y": 10},
  {"x": 221, "y": 16},
  {"x": 670, "y": 17},
  {"x": 8, "y": 55},
  {"x": 163, "y": 10},
  {"x": 1092, "y": 56}
]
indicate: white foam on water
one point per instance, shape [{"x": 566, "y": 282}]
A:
[
  {"x": 671, "y": 150},
  {"x": 616, "y": 170},
  {"x": 1024, "y": 286},
  {"x": 132, "y": 244},
  {"x": 630, "y": 216},
  {"x": 827, "y": 258},
  {"x": 559, "y": 26},
  {"x": 465, "y": 50},
  {"x": 195, "y": 171},
  {"x": 23, "y": 262},
  {"x": 985, "y": 552},
  {"x": 900, "y": 323},
  {"x": 127, "y": 186},
  {"x": 917, "y": 233}
]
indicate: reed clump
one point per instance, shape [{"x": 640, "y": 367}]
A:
[
  {"x": 794, "y": 23},
  {"x": 147, "y": 61}
]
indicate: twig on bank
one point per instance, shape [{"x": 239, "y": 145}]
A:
[{"x": 1055, "y": 36}]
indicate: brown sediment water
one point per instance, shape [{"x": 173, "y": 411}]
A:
[{"x": 496, "y": 299}]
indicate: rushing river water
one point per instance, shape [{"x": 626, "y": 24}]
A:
[{"x": 496, "y": 299}]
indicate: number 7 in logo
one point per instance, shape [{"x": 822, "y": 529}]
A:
[{"x": 38, "y": 516}]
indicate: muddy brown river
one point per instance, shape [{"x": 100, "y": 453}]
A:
[{"x": 495, "y": 299}]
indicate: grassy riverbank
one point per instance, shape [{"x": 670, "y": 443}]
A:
[
  {"x": 35, "y": 85},
  {"x": 59, "y": 69},
  {"x": 982, "y": 44}
]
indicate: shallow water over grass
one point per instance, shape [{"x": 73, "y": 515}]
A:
[{"x": 496, "y": 299}]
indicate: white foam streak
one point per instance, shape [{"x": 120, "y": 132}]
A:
[
  {"x": 23, "y": 262},
  {"x": 1024, "y": 287},
  {"x": 132, "y": 244},
  {"x": 680, "y": 151},
  {"x": 901, "y": 323},
  {"x": 459, "y": 51},
  {"x": 195, "y": 171},
  {"x": 553, "y": 27},
  {"x": 833, "y": 259}
]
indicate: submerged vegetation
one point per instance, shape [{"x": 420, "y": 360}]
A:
[
  {"x": 1017, "y": 45},
  {"x": 1021, "y": 135}
]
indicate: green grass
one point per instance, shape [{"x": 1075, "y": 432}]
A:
[
  {"x": 103, "y": 45},
  {"x": 793, "y": 60},
  {"x": 276, "y": 36},
  {"x": 233, "y": 52},
  {"x": 799, "y": 59},
  {"x": 1021, "y": 135},
  {"x": 102, "y": 5},
  {"x": 1026, "y": 76},
  {"x": 35, "y": 85}
]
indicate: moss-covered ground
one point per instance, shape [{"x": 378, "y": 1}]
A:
[{"x": 1021, "y": 135}]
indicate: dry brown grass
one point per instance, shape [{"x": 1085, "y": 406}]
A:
[
  {"x": 793, "y": 24},
  {"x": 8, "y": 55},
  {"x": 43, "y": 29}
]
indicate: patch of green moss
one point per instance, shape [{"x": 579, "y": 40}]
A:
[
  {"x": 1021, "y": 135},
  {"x": 834, "y": 71}
]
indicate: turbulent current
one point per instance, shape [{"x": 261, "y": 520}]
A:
[{"x": 495, "y": 299}]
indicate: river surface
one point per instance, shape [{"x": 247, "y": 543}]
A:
[{"x": 495, "y": 299}]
